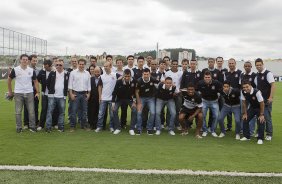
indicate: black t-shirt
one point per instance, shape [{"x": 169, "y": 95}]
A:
[
  {"x": 146, "y": 89},
  {"x": 137, "y": 73},
  {"x": 210, "y": 91},
  {"x": 165, "y": 94}
]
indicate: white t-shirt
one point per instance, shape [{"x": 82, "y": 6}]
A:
[
  {"x": 59, "y": 85},
  {"x": 23, "y": 79},
  {"x": 176, "y": 78},
  {"x": 108, "y": 82}
]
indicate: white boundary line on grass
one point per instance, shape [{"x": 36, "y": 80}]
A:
[{"x": 135, "y": 171}]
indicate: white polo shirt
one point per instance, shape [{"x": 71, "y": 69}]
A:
[
  {"x": 23, "y": 79},
  {"x": 79, "y": 81},
  {"x": 108, "y": 82}
]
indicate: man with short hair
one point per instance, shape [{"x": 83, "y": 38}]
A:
[
  {"x": 164, "y": 97},
  {"x": 256, "y": 108},
  {"x": 185, "y": 64},
  {"x": 130, "y": 64},
  {"x": 57, "y": 84},
  {"x": 166, "y": 59},
  {"x": 148, "y": 62},
  {"x": 124, "y": 93},
  {"x": 79, "y": 91},
  {"x": 266, "y": 84},
  {"x": 191, "y": 109},
  {"x": 119, "y": 64},
  {"x": 210, "y": 90},
  {"x": 23, "y": 92},
  {"x": 42, "y": 79},
  {"x": 106, "y": 87},
  {"x": 145, "y": 90},
  {"x": 139, "y": 69},
  {"x": 193, "y": 75}
]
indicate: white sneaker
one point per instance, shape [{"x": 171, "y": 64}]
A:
[
  {"x": 162, "y": 127},
  {"x": 204, "y": 134},
  {"x": 209, "y": 130},
  {"x": 214, "y": 134},
  {"x": 244, "y": 139},
  {"x": 117, "y": 131},
  {"x": 171, "y": 132},
  {"x": 237, "y": 137},
  {"x": 260, "y": 141},
  {"x": 155, "y": 128},
  {"x": 256, "y": 135},
  {"x": 39, "y": 128},
  {"x": 98, "y": 130},
  {"x": 268, "y": 138},
  {"x": 112, "y": 130},
  {"x": 56, "y": 127},
  {"x": 25, "y": 127},
  {"x": 158, "y": 132},
  {"x": 221, "y": 135},
  {"x": 131, "y": 132}
]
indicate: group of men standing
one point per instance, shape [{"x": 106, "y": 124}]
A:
[{"x": 186, "y": 92}]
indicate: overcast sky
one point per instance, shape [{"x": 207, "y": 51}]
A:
[{"x": 244, "y": 29}]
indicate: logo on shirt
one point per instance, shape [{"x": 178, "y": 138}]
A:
[
  {"x": 214, "y": 75},
  {"x": 198, "y": 75},
  {"x": 151, "y": 84},
  {"x": 253, "y": 98},
  {"x": 213, "y": 87},
  {"x": 132, "y": 85},
  {"x": 233, "y": 96},
  {"x": 192, "y": 99},
  {"x": 236, "y": 75},
  {"x": 262, "y": 78},
  {"x": 250, "y": 79}
]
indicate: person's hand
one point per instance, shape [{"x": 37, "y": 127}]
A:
[
  {"x": 261, "y": 118},
  {"x": 244, "y": 117},
  {"x": 191, "y": 118},
  {"x": 113, "y": 106},
  {"x": 269, "y": 100},
  {"x": 10, "y": 94},
  {"x": 87, "y": 96},
  {"x": 139, "y": 106},
  {"x": 72, "y": 96},
  {"x": 37, "y": 95}
]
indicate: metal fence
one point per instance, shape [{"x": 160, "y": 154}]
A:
[{"x": 13, "y": 43}]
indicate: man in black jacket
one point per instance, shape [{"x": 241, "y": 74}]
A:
[
  {"x": 57, "y": 84},
  {"x": 124, "y": 94}
]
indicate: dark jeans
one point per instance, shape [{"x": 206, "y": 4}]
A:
[
  {"x": 123, "y": 114},
  {"x": 52, "y": 103},
  {"x": 79, "y": 104},
  {"x": 246, "y": 127},
  {"x": 117, "y": 123},
  {"x": 93, "y": 111}
]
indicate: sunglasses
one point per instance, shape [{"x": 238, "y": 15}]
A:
[{"x": 59, "y": 65}]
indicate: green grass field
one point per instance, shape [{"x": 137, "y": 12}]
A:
[{"x": 104, "y": 150}]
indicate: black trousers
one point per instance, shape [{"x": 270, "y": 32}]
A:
[
  {"x": 93, "y": 111},
  {"x": 246, "y": 127}
]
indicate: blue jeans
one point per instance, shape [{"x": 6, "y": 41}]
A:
[
  {"x": 251, "y": 113},
  {"x": 79, "y": 104},
  {"x": 178, "y": 103},
  {"x": 118, "y": 104},
  {"x": 214, "y": 108},
  {"x": 268, "y": 118},
  {"x": 102, "y": 109},
  {"x": 61, "y": 104},
  {"x": 226, "y": 109},
  {"x": 150, "y": 102},
  {"x": 171, "y": 107}
]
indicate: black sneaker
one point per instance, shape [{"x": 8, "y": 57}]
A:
[
  {"x": 19, "y": 130},
  {"x": 33, "y": 130},
  {"x": 150, "y": 132},
  {"x": 138, "y": 132}
]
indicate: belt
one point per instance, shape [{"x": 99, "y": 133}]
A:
[{"x": 81, "y": 92}]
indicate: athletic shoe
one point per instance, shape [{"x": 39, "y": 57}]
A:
[
  {"x": 98, "y": 130},
  {"x": 56, "y": 127},
  {"x": 19, "y": 130},
  {"x": 171, "y": 132},
  {"x": 25, "y": 127},
  {"x": 184, "y": 133},
  {"x": 117, "y": 131},
  {"x": 131, "y": 132},
  {"x": 162, "y": 127},
  {"x": 221, "y": 135},
  {"x": 268, "y": 138},
  {"x": 150, "y": 132},
  {"x": 72, "y": 129},
  {"x": 61, "y": 130},
  {"x": 33, "y": 130},
  {"x": 237, "y": 137},
  {"x": 260, "y": 141},
  {"x": 138, "y": 132},
  {"x": 112, "y": 130},
  {"x": 228, "y": 129},
  {"x": 244, "y": 139},
  {"x": 158, "y": 132},
  {"x": 39, "y": 128},
  {"x": 48, "y": 130},
  {"x": 214, "y": 134},
  {"x": 178, "y": 128},
  {"x": 198, "y": 137},
  {"x": 256, "y": 135},
  {"x": 205, "y": 134}
]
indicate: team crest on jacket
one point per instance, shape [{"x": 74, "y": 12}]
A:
[
  {"x": 253, "y": 98},
  {"x": 236, "y": 75},
  {"x": 192, "y": 99},
  {"x": 198, "y": 75},
  {"x": 233, "y": 96},
  {"x": 262, "y": 78},
  {"x": 250, "y": 79},
  {"x": 213, "y": 87},
  {"x": 214, "y": 75},
  {"x": 151, "y": 84}
]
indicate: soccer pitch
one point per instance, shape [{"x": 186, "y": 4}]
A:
[{"x": 104, "y": 150}]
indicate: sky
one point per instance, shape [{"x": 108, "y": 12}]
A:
[{"x": 243, "y": 29}]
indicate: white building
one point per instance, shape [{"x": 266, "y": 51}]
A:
[
  {"x": 163, "y": 53},
  {"x": 184, "y": 55}
]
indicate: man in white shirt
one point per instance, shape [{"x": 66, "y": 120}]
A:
[
  {"x": 176, "y": 79},
  {"x": 23, "y": 91},
  {"x": 57, "y": 84},
  {"x": 79, "y": 91},
  {"x": 106, "y": 87},
  {"x": 130, "y": 64}
]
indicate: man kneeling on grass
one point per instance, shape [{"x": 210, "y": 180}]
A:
[
  {"x": 191, "y": 108},
  {"x": 256, "y": 108}
]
